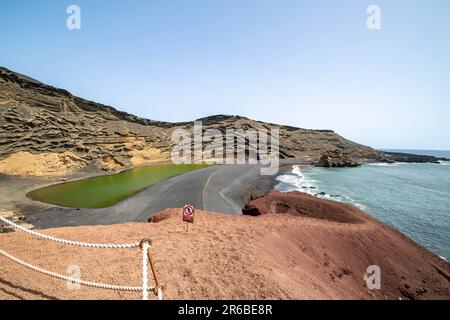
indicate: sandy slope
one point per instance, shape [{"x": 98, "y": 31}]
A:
[{"x": 273, "y": 256}]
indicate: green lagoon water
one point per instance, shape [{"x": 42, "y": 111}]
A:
[{"x": 105, "y": 191}]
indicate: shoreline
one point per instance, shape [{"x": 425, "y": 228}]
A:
[
  {"x": 27, "y": 205},
  {"x": 236, "y": 184},
  {"x": 140, "y": 206}
]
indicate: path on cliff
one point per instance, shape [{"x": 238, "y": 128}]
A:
[{"x": 224, "y": 188}]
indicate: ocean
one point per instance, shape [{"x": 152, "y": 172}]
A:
[{"x": 412, "y": 198}]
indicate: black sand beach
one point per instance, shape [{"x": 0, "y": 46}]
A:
[{"x": 223, "y": 188}]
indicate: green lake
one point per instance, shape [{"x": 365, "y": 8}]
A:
[{"x": 105, "y": 191}]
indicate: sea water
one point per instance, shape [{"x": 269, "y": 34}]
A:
[{"x": 413, "y": 198}]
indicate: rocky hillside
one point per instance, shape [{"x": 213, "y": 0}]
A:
[{"x": 46, "y": 130}]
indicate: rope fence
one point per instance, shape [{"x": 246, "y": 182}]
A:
[
  {"x": 145, "y": 248},
  {"x": 73, "y": 280},
  {"x": 144, "y": 245},
  {"x": 70, "y": 242}
]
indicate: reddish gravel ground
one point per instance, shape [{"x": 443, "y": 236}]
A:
[{"x": 296, "y": 254}]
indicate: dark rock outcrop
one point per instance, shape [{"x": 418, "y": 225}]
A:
[
  {"x": 411, "y": 158},
  {"x": 336, "y": 158},
  {"x": 160, "y": 216}
]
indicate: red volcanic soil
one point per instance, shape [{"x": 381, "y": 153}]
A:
[{"x": 300, "y": 247}]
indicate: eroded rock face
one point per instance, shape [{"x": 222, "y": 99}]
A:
[
  {"x": 336, "y": 158},
  {"x": 42, "y": 164},
  {"x": 37, "y": 118}
]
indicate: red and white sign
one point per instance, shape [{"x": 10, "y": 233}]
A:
[{"x": 188, "y": 213}]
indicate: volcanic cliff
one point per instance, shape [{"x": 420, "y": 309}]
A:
[{"x": 48, "y": 131}]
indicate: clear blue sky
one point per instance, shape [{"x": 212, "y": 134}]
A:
[{"x": 311, "y": 64}]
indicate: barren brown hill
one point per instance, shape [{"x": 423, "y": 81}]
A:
[
  {"x": 317, "y": 249},
  {"x": 46, "y": 130}
]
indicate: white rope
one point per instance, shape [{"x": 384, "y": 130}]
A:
[
  {"x": 70, "y": 242},
  {"x": 73, "y": 280},
  {"x": 145, "y": 248}
]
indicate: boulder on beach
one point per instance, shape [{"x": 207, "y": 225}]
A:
[{"x": 336, "y": 158}]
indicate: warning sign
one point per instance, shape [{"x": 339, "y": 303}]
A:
[{"x": 188, "y": 213}]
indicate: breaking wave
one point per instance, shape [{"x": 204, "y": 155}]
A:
[
  {"x": 383, "y": 164},
  {"x": 296, "y": 180}
]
